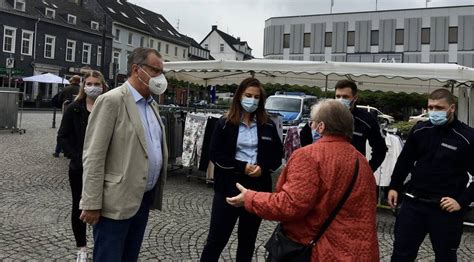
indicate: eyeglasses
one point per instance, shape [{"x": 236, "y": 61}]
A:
[{"x": 154, "y": 70}]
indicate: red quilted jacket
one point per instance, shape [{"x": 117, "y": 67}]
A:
[{"x": 310, "y": 187}]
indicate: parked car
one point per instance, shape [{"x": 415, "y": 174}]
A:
[
  {"x": 294, "y": 107},
  {"x": 418, "y": 118},
  {"x": 201, "y": 103},
  {"x": 383, "y": 118}
]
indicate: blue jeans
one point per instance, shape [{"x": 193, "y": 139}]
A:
[{"x": 121, "y": 240}]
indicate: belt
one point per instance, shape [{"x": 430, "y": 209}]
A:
[{"x": 424, "y": 198}]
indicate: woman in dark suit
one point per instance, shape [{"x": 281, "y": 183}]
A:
[
  {"x": 246, "y": 149},
  {"x": 71, "y": 137}
]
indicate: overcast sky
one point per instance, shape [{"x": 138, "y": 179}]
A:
[{"x": 246, "y": 18}]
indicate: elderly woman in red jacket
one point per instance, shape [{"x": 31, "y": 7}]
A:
[{"x": 312, "y": 184}]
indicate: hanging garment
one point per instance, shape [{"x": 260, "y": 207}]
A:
[
  {"x": 210, "y": 125},
  {"x": 292, "y": 141},
  {"x": 194, "y": 128},
  {"x": 384, "y": 172}
]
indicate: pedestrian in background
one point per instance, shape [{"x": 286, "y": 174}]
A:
[
  {"x": 71, "y": 138},
  {"x": 125, "y": 160},
  {"x": 245, "y": 149},
  {"x": 64, "y": 98},
  {"x": 438, "y": 154},
  {"x": 313, "y": 183}
]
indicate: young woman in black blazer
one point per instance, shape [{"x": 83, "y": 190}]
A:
[
  {"x": 245, "y": 148},
  {"x": 71, "y": 137}
]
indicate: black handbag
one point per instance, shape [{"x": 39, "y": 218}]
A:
[{"x": 282, "y": 249}]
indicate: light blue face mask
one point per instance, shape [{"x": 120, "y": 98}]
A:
[
  {"x": 316, "y": 135},
  {"x": 346, "y": 102},
  {"x": 249, "y": 104},
  {"x": 438, "y": 118}
]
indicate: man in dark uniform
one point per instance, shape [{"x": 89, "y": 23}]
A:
[
  {"x": 366, "y": 126},
  {"x": 439, "y": 154}
]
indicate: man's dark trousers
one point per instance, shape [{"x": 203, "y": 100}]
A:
[
  {"x": 415, "y": 220},
  {"x": 121, "y": 240}
]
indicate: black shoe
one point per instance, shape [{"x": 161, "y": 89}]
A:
[{"x": 55, "y": 154}]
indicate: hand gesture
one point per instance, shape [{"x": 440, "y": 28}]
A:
[{"x": 238, "y": 200}]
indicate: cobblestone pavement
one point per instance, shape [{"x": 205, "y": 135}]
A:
[{"x": 35, "y": 208}]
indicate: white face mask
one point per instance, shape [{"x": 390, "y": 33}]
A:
[
  {"x": 93, "y": 91},
  {"x": 157, "y": 84}
]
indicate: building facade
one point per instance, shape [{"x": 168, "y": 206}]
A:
[
  {"x": 223, "y": 46},
  {"x": 428, "y": 35},
  {"x": 50, "y": 36}
]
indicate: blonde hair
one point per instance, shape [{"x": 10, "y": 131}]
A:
[
  {"x": 336, "y": 117},
  {"x": 93, "y": 73}
]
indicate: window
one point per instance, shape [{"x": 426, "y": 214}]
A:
[
  {"x": 206, "y": 46},
  {"x": 124, "y": 14},
  {"x": 425, "y": 36},
  {"x": 141, "y": 20},
  {"x": 142, "y": 41},
  {"x": 116, "y": 59},
  {"x": 184, "y": 53},
  {"x": 221, "y": 47},
  {"x": 86, "y": 53},
  {"x": 9, "y": 37},
  {"x": 328, "y": 39},
  {"x": 374, "y": 37},
  {"x": 159, "y": 47},
  {"x": 49, "y": 46},
  {"x": 26, "y": 42},
  {"x": 130, "y": 38},
  {"x": 399, "y": 36},
  {"x": 307, "y": 40},
  {"x": 19, "y": 5},
  {"x": 70, "y": 50},
  {"x": 71, "y": 19},
  {"x": 167, "y": 48},
  {"x": 175, "y": 51},
  {"x": 453, "y": 35},
  {"x": 50, "y": 13},
  {"x": 117, "y": 35},
  {"x": 94, "y": 25},
  {"x": 350, "y": 38},
  {"x": 286, "y": 41},
  {"x": 152, "y": 43},
  {"x": 99, "y": 55}
]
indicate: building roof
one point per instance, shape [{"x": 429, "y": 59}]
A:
[
  {"x": 372, "y": 11},
  {"x": 231, "y": 41},
  {"x": 37, "y": 8},
  {"x": 120, "y": 11},
  {"x": 158, "y": 25}
]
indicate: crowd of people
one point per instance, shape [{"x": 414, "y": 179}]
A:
[{"x": 325, "y": 197}]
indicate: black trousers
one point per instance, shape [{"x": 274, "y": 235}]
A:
[
  {"x": 415, "y": 220},
  {"x": 78, "y": 227},
  {"x": 223, "y": 219}
]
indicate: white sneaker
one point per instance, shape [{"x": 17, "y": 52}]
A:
[{"x": 81, "y": 256}]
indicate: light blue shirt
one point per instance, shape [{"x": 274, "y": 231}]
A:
[
  {"x": 247, "y": 143},
  {"x": 153, "y": 135}
]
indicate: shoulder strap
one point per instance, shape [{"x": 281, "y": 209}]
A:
[{"x": 339, "y": 205}]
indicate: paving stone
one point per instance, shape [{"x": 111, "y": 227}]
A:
[{"x": 36, "y": 201}]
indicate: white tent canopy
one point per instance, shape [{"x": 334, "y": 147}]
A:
[
  {"x": 47, "y": 78},
  {"x": 396, "y": 77}
]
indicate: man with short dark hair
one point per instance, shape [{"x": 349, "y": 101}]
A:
[
  {"x": 438, "y": 155},
  {"x": 125, "y": 160},
  {"x": 69, "y": 92},
  {"x": 366, "y": 126}
]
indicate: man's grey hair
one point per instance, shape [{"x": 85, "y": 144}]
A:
[
  {"x": 336, "y": 117},
  {"x": 139, "y": 56}
]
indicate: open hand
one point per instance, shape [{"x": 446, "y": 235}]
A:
[{"x": 238, "y": 200}]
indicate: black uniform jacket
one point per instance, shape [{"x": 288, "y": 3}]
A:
[
  {"x": 228, "y": 170},
  {"x": 72, "y": 132},
  {"x": 367, "y": 128},
  {"x": 438, "y": 158}
]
